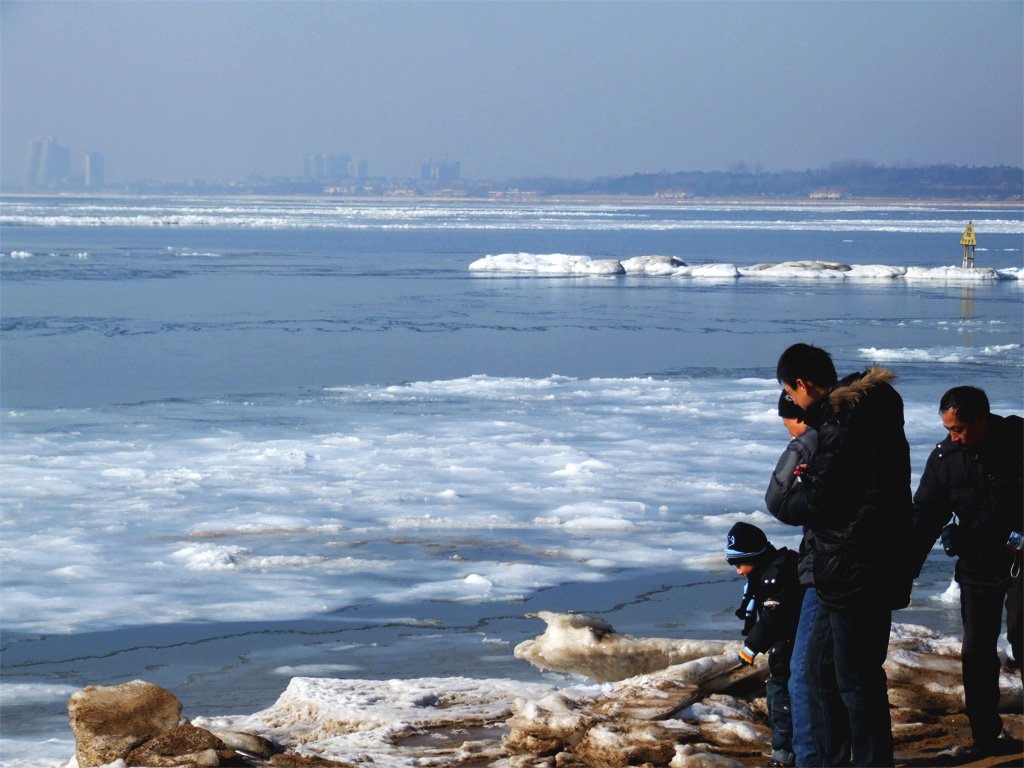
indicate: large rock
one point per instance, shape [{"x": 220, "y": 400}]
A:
[
  {"x": 109, "y": 721},
  {"x": 184, "y": 747}
]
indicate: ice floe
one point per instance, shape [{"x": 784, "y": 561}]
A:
[{"x": 669, "y": 266}]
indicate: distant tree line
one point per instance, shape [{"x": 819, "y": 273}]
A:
[{"x": 839, "y": 180}]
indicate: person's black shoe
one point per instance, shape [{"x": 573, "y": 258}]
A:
[{"x": 982, "y": 749}]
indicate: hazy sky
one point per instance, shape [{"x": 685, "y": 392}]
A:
[{"x": 215, "y": 90}]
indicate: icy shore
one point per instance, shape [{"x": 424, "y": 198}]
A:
[{"x": 699, "y": 708}]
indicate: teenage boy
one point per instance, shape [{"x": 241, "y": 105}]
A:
[
  {"x": 854, "y": 495},
  {"x": 802, "y": 445}
]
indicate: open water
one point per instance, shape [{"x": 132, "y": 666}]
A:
[{"x": 244, "y": 440}]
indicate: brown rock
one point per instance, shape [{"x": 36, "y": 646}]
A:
[
  {"x": 622, "y": 744},
  {"x": 658, "y": 701},
  {"x": 109, "y": 721},
  {"x": 250, "y": 743},
  {"x": 288, "y": 760},
  {"x": 532, "y": 744},
  {"x": 185, "y": 746}
]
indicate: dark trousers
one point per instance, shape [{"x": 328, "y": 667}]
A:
[
  {"x": 847, "y": 686},
  {"x": 777, "y": 696},
  {"x": 981, "y": 608}
]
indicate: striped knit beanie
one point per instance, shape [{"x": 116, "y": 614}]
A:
[{"x": 745, "y": 543}]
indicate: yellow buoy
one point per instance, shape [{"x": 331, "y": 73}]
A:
[{"x": 968, "y": 241}]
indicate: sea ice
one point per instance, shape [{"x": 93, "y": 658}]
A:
[
  {"x": 694, "y": 701},
  {"x": 667, "y": 266}
]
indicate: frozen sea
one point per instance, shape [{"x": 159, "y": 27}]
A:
[{"x": 246, "y": 440}]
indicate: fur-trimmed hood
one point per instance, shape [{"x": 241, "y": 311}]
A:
[{"x": 848, "y": 392}]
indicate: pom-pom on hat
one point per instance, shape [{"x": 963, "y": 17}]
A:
[
  {"x": 745, "y": 543},
  {"x": 788, "y": 409}
]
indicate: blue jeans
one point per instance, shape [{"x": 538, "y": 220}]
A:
[
  {"x": 847, "y": 686},
  {"x": 803, "y": 732}
]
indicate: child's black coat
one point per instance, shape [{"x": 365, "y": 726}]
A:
[{"x": 775, "y": 591}]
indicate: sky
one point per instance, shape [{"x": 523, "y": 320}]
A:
[{"x": 174, "y": 91}]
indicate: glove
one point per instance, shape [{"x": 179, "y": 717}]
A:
[{"x": 747, "y": 656}]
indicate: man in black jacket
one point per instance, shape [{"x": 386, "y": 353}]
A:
[
  {"x": 975, "y": 477},
  {"x": 854, "y": 495}
]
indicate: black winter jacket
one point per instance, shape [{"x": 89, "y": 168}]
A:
[
  {"x": 983, "y": 487},
  {"x": 855, "y": 495},
  {"x": 799, "y": 451},
  {"x": 776, "y": 594}
]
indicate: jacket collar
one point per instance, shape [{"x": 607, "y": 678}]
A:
[
  {"x": 846, "y": 394},
  {"x": 762, "y": 563}
]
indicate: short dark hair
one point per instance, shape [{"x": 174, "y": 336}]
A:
[
  {"x": 802, "y": 361},
  {"x": 965, "y": 402}
]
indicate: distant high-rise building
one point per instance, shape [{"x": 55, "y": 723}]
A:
[
  {"x": 56, "y": 162},
  {"x": 358, "y": 169},
  {"x": 49, "y": 164},
  {"x": 325, "y": 166},
  {"x": 35, "y": 164},
  {"x": 313, "y": 166},
  {"x": 95, "y": 173},
  {"x": 443, "y": 172},
  {"x": 336, "y": 166}
]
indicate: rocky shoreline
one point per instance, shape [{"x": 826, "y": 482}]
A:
[{"x": 657, "y": 702}]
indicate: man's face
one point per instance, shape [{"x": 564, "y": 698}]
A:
[
  {"x": 966, "y": 434},
  {"x": 803, "y": 394}
]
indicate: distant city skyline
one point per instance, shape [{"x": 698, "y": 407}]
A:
[
  {"x": 51, "y": 165},
  {"x": 49, "y": 168},
  {"x": 174, "y": 91}
]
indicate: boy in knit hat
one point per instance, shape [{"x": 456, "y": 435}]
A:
[{"x": 770, "y": 610}]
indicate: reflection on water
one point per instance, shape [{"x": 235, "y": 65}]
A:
[
  {"x": 967, "y": 312},
  {"x": 967, "y": 302}
]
